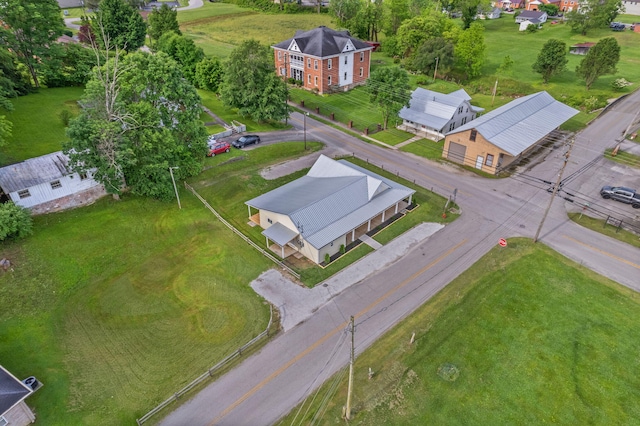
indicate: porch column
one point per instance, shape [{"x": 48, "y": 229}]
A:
[
  {"x": 369, "y": 225},
  {"x": 410, "y": 198},
  {"x": 267, "y": 241},
  {"x": 383, "y": 212},
  {"x": 353, "y": 234},
  {"x": 396, "y": 212},
  {"x": 282, "y": 251},
  {"x": 249, "y": 207}
]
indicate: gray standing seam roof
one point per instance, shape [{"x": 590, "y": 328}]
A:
[
  {"x": 323, "y": 208},
  {"x": 12, "y": 391},
  {"x": 521, "y": 123},
  {"x": 33, "y": 171},
  {"x": 322, "y": 42},
  {"x": 531, "y": 14}
]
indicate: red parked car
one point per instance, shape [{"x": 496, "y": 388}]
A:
[{"x": 218, "y": 148}]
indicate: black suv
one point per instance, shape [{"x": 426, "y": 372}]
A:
[{"x": 246, "y": 140}]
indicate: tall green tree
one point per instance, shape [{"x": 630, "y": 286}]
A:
[
  {"x": 32, "y": 28},
  {"x": 600, "y": 60},
  {"x": 139, "y": 117},
  {"x": 552, "y": 59},
  {"x": 415, "y": 31},
  {"x": 183, "y": 50},
  {"x": 366, "y": 23},
  {"x": 396, "y": 13},
  {"x": 389, "y": 90},
  {"x": 121, "y": 23},
  {"x": 161, "y": 21},
  {"x": 435, "y": 51},
  {"x": 344, "y": 11},
  {"x": 251, "y": 84},
  {"x": 470, "y": 49},
  {"x": 594, "y": 14},
  {"x": 469, "y": 10},
  {"x": 209, "y": 74},
  {"x": 70, "y": 65}
]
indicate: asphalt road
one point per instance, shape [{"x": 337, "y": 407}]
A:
[{"x": 272, "y": 382}]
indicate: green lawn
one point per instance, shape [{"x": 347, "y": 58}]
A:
[
  {"x": 425, "y": 148},
  {"x": 599, "y": 225},
  {"x": 516, "y": 339},
  {"x": 37, "y": 127},
  {"x": 117, "y": 305},
  {"x": 622, "y": 157}
]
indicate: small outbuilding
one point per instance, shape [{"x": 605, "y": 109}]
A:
[
  {"x": 330, "y": 207},
  {"x": 13, "y": 410},
  {"x": 507, "y": 134},
  {"x": 581, "y": 48},
  {"x": 45, "y": 184}
]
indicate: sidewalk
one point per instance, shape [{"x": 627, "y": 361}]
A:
[{"x": 297, "y": 303}]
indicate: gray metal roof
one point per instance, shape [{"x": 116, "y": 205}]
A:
[
  {"x": 33, "y": 171},
  {"x": 516, "y": 126},
  {"x": 333, "y": 198},
  {"x": 12, "y": 391},
  {"x": 323, "y": 42},
  {"x": 434, "y": 109},
  {"x": 280, "y": 233}
]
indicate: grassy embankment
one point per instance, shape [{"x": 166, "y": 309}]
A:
[{"x": 525, "y": 336}]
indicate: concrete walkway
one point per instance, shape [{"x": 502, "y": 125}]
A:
[
  {"x": 370, "y": 242},
  {"x": 297, "y": 303}
]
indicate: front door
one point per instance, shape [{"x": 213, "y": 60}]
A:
[{"x": 479, "y": 161}]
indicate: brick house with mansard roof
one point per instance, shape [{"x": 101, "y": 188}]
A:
[{"x": 324, "y": 59}]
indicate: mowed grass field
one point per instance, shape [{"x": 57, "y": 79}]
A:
[
  {"x": 525, "y": 336},
  {"x": 117, "y": 305},
  {"x": 37, "y": 126}
]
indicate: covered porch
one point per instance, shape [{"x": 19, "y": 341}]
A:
[{"x": 282, "y": 238}]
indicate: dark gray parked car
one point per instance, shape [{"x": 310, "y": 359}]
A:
[
  {"x": 246, "y": 140},
  {"x": 622, "y": 194}
]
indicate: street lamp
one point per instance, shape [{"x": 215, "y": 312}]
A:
[
  {"x": 174, "y": 185},
  {"x": 305, "y": 130}
]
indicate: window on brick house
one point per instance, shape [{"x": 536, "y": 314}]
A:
[
  {"x": 361, "y": 71},
  {"x": 315, "y": 81},
  {"x": 315, "y": 64},
  {"x": 361, "y": 56},
  {"x": 329, "y": 63},
  {"x": 308, "y": 62},
  {"x": 329, "y": 80},
  {"x": 309, "y": 79}
]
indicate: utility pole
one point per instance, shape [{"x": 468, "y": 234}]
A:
[
  {"x": 495, "y": 89},
  {"x": 305, "y": 114},
  {"x": 436, "y": 70},
  {"x": 555, "y": 188},
  {"x": 349, "y": 390},
  {"x": 174, "y": 185}
]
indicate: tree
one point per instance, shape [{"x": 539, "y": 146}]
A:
[
  {"x": 139, "y": 117},
  {"x": 161, "y": 21},
  {"x": 344, "y": 10},
  {"x": 122, "y": 24},
  {"x": 551, "y": 9},
  {"x": 594, "y": 14},
  {"x": 552, "y": 59},
  {"x": 366, "y": 23},
  {"x": 469, "y": 9},
  {"x": 85, "y": 33},
  {"x": 249, "y": 83},
  {"x": 33, "y": 26},
  {"x": 183, "y": 50},
  {"x": 470, "y": 49},
  {"x": 389, "y": 89},
  {"x": 415, "y": 31},
  {"x": 70, "y": 65},
  {"x": 506, "y": 67},
  {"x": 600, "y": 60},
  {"x": 15, "y": 221},
  {"x": 209, "y": 74},
  {"x": 433, "y": 51},
  {"x": 396, "y": 11}
]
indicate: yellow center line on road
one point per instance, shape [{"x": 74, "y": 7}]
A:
[
  {"x": 331, "y": 333},
  {"x": 613, "y": 256}
]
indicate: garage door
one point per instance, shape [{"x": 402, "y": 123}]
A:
[{"x": 456, "y": 152}]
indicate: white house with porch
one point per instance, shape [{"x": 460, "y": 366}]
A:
[{"x": 332, "y": 206}]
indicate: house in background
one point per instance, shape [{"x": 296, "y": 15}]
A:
[
  {"x": 535, "y": 4},
  {"x": 323, "y": 59},
  {"x": 332, "y": 206},
  {"x": 45, "y": 184},
  {"x": 432, "y": 114},
  {"x": 493, "y": 13},
  {"x": 581, "y": 48},
  {"x": 507, "y": 134},
  {"x": 13, "y": 410},
  {"x": 511, "y": 4},
  {"x": 532, "y": 16}
]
